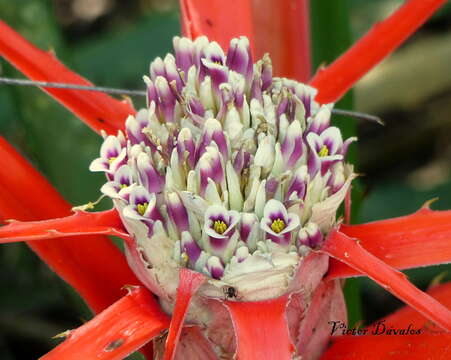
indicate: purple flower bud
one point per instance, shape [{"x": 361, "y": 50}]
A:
[
  {"x": 135, "y": 125},
  {"x": 152, "y": 95},
  {"x": 337, "y": 178},
  {"x": 298, "y": 185},
  {"x": 215, "y": 267},
  {"x": 218, "y": 73},
  {"x": 190, "y": 247},
  {"x": 177, "y": 212},
  {"x": 239, "y": 57},
  {"x": 241, "y": 161},
  {"x": 213, "y": 132},
  {"x": 166, "y": 98},
  {"x": 242, "y": 253},
  {"x": 157, "y": 68},
  {"x": 293, "y": 145},
  {"x": 184, "y": 53},
  {"x": 310, "y": 236},
  {"x": 320, "y": 121},
  {"x": 148, "y": 176},
  {"x": 186, "y": 147}
]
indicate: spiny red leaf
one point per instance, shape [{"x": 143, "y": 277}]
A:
[
  {"x": 116, "y": 332},
  {"x": 98, "y": 110},
  {"x": 376, "y": 347},
  {"x": 333, "y": 81},
  {"x": 189, "y": 282},
  {"x": 408, "y": 316},
  {"x": 90, "y": 264},
  {"x": 261, "y": 329},
  {"x": 349, "y": 251},
  {"x": 419, "y": 239},
  {"x": 218, "y": 20},
  {"x": 80, "y": 223},
  {"x": 282, "y": 29}
]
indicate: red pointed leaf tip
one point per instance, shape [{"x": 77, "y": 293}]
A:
[
  {"x": 189, "y": 282},
  {"x": 349, "y": 251},
  {"x": 419, "y": 239},
  {"x": 387, "y": 347},
  {"x": 81, "y": 223},
  {"x": 407, "y": 316},
  {"x": 219, "y": 21},
  {"x": 91, "y": 264},
  {"x": 98, "y": 110},
  {"x": 117, "y": 331},
  {"x": 333, "y": 81},
  {"x": 261, "y": 329}
]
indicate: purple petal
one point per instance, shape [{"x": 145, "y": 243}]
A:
[
  {"x": 190, "y": 247},
  {"x": 177, "y": 212},
  {"x": 215, "y": 267}
]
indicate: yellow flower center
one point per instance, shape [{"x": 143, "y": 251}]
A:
[
  {"x": 278, "y": 225},
  {"x": 324, "y": 151},
  {"x": 111, "y": 159},
  {"x": 142, "y": 208},
  {"x": 219, "y": 226},
  {"x": 123, "y": 186}
]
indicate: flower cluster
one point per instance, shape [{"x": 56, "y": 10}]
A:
[{"x": 229, "y": 171}]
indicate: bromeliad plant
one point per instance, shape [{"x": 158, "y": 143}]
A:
[{"x": 225, "y": 191}]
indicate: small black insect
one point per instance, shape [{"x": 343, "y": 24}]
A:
[{"x": 229, "y": 292}]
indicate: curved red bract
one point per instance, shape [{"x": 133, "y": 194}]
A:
[
  {"x": 92, "y": 265},
  {"x": 98, "y": 110}
]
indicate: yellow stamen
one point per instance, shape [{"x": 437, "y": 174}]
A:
[
  {"x": 278, "y": 225},
  {"x": 142, "y": 208},
  {"x": 324, "y": 151},
  {"x": 111, "y": 159},
  {"x": 123, "y": 186},
  {"x": 219, "y": 226}
]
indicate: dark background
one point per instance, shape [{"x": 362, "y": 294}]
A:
[{"x": 111, "y": 42}]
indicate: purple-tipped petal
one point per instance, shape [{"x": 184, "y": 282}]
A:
[
  {"x": 215, "y": 267},
  {"x": 310, "y": 236},
  {"x": 149, "y": 177},
  {"x": 242, "y": 253},
  {"x": 166, "y": 98},
  {"x": 321, "y": 121},
  {"x": 292, "y": 146},
  {"x": 219, "y": 74},
  {"x": 190, "y": 247},
  {"x": 177, "y": 212},
  {"x": 184, "y": 52},
  {"x": 239, "y": 57},
  {"x": 186, "y": 147},
  {"x": 346, "y": 144},
  {"x": 298, "y": 185}
]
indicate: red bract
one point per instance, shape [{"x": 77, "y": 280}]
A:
[{"x": 261, "y": 328}]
